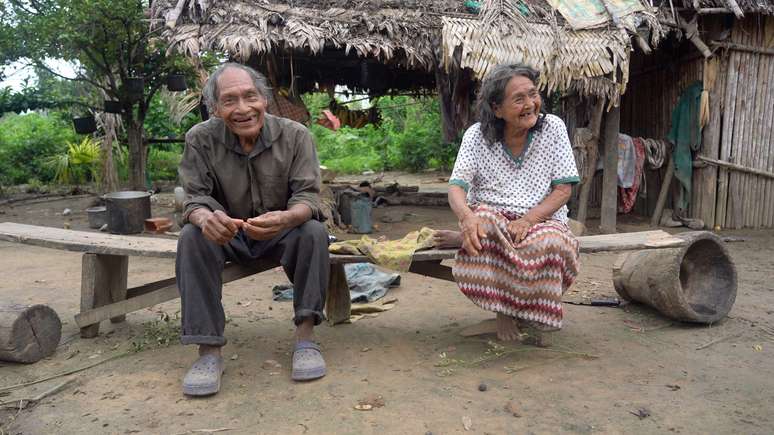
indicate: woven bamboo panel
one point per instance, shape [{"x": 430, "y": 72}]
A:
[{"x": 567, "y": 59}]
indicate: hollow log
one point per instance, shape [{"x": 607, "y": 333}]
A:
[
  {"x": 28, "y": 333},
  {"x": 692, "y": 283}
]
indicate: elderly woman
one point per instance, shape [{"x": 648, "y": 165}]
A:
[{"x": 511, "y": 181}]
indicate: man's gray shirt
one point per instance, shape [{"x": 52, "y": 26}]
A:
[{"x": 280, "y": 171}]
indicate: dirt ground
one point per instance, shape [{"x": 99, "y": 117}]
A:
[{"x": 610, "y": 370}]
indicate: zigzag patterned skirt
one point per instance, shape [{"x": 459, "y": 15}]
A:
[{"x": 525, "y": 280}]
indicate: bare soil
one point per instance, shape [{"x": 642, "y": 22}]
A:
[{"x": 610, "y": 370}]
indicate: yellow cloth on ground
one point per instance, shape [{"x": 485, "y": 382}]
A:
[{"x": 392, "y": 254}]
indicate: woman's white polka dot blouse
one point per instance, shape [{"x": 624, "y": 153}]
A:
[{"x": 492, "y": 175}]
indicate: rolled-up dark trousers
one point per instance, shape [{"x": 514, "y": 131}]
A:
[{"x": 302, "y": 252}]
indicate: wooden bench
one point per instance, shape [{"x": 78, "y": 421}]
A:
[{"x": 104, "y": 292}]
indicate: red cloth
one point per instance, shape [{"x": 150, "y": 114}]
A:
[
  {"x": 627, "y": 197},
  {"x": 329, "y": 120}
]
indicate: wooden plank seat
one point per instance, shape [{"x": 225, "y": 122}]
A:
[{"x": 104, "y": 292}]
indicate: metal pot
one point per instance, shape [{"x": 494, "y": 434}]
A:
[
  {"x": 127, "y": 211},
  {"x": 97, "y": 216}
]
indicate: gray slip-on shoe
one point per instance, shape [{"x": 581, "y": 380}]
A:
[
  {"x": 308, "y": 362},
  {"x": 204, "y": 376}
]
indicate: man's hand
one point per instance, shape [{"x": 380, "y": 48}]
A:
[
  {"x": 216, "y": 226},
  {"x": 473, "y": 231},
  {"x": 267, "y": 225},
  {"x": 519, "y": 228}
]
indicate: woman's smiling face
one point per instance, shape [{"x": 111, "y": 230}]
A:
[{"x": 521, "y": 104}]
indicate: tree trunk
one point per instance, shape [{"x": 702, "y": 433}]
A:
[
  {"x": 137, "y": 155},
  {"x": 109, "y": 176}
]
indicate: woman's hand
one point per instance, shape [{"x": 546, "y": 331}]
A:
[
  {"x": 473, "y": 231},
  {"x": 519, "y": 228}
]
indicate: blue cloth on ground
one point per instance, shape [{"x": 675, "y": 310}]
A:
[{"x": 366, "y": 284}]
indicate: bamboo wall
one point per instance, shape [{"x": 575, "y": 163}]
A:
[{"x": 740, "y": 126}]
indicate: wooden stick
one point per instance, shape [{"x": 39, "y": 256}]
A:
[
  {"x": 718, "y": 340},
  {"x": 65, "y": 373},
  {"x": 662, "y": 195},
  {"x": 734, "y": 6},
  {"x": 23, "y": 403}
]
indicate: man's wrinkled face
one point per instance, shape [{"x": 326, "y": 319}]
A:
[{"x": 240, "y": 104}]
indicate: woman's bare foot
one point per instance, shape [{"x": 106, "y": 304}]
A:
[
  {"x": 507, "y": 329},
  {"x": 446, "y": 239}
]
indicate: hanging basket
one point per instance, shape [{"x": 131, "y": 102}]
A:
[
  {"x": 85, "y": 125},
  {"x": 111, "y": 106},
  {"x": 176, "y": 82},
  {"x": 134, "y": 88}
]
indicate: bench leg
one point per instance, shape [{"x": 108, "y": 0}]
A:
[
  {"x": 103, "y": 280},
  {"x": 337, "y": 302}
]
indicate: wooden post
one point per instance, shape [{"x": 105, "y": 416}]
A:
[
  {"x": 337, "y": 302},
  {"x": 103, "y": 278},
  {"x": 592, "y": 154},
  {"x": 610, "y": 175}
]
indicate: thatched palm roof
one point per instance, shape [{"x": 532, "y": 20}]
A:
[{"x": 423, "y": 35}]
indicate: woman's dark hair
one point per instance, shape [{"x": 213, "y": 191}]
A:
[{"x": 492, "y": 93}]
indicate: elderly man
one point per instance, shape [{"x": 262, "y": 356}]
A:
[{"x": 252, "y": 182}]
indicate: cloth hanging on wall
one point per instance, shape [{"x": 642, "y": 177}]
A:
[{"x": 685, "y": 134}]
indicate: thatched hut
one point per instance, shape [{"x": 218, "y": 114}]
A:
[
  {"x": 729, "y": 46},
  {"x": 415, "y": 46}
]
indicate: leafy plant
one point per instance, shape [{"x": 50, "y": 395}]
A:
[
  {"x": 77, "y": 165},
  {"x": 27, "y": 141}
]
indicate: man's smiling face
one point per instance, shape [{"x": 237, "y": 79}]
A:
[{"x": 240, "y": 104}]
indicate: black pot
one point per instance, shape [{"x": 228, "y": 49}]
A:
[
  {"x": 134, "y": 88},
  {"x": 176, "y": 82},
  {"x": 85, "y": 125},
  {"x": 127, "y": 211},
  {"x": 112, "y": 106}
]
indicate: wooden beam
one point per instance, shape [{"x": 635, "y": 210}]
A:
[
  {"x": 610, "y": 174},
  {"x": 91, "y": 317},
  {"x": 742, "y": 47},
  {"x": 736, "y": 167},
  {"x": 734, "y": 6},
  {"x": 432, "y": 269}
]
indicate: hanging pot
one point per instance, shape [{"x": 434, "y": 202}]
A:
[
  {"x": 112, "y": 106},
  {"x": 176, "y": 82},
  {"x": 134, "y": 87},
  {"x": 85, "y": 125}
]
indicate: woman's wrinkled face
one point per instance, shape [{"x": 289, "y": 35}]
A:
[{"x": 521, "y": 103}]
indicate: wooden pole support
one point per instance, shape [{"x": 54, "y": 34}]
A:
[
  {"x": 610, "y": 175},
  {"x": 103, "y": 280},
  {"x": 337, "y": 301},
  {"x": 592, "y": 155}
]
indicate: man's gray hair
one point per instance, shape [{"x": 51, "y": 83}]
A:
[{"x": 211, "y": 93}]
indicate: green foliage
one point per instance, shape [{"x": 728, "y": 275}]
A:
[
  {"x": 408, "y": 138},
  {"x": 158, "y": 333},
  {"x": 27, "y": 141},
  {"x": 162, "y": 164},
  {"x": 158, "y": 122},
  {"x": 79, "y": 164}
]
